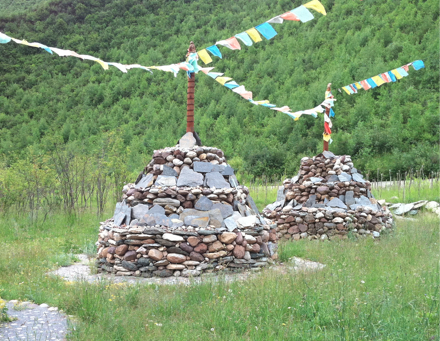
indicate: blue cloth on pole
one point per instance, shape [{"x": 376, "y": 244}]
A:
[
  {"x": 244, "y": 37},
  {"x": 268, "y": 105},
  {"x": 4, "y": 38},
  {"x": 232, "y": 85},
  {"x": 402, "y": 71},
  {"x": 372, "y": 83},
  {"x": 393, "y": 78},
  {"x": 213, "y": 75},
  {"x": 331, "y": 113},
  {"x": 418, "y": 64},
  {"x": 302, "y": 13},
  {"x": 215, "y": 51},
  {"x": 266, "y": 30},
  {"x": 350, "y": 90}
]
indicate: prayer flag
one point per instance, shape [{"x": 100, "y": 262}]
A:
[
  {"x": 206, "y": 70},
  {"x": 331, "y": 113},
  {"x": 282, "y": 109},
  {"x": 241, "y": 89},
  {"x": 4, "y": 38},
  {"x": 349, "y": 89},
  {"x": 317, "y": 6},
  {"x": 222, "y": 80},
  {"x": 231, "y": 85},
  {"x": 268, "y": 105},
  {"x": 385, "y": 77},
  {"x": 406, "y": 67},
  {"x": 302, "y": 13},
  {"x": 328, "y": 120},
  {"x": 402, "y": 72},
  {"x": 253, "y": 33},
  {"x": 266, "y": 30},
  {"x": 247, "y": 95},
  {"x": 231, "y": 43},
  {"x": 289, "y": 16},
  {"x": 346, "y": 90},
  {"x": 215, "y": 74},
  {"x": 418, "y": 64},
  {"x": 365, "y": 85},
  {"x": 261, "y": 102},
  {"x": 119, "y": 66},
  {"x": 327, "y": 128},
  {"x": 102, "y": 63},
  {"x": 276, "y": 20},
  {"x": 392, "y": 77},
  {"x": 244, "y": 37},
  {"x": 204, "y": 56},
  {"x": 215, "y": 51},
  {"x": 326, "y": 137},
  {"x": 378, "y": 80},
  {"x": 397, "y": 74},
  {"x": 358, "y": 85},
  {"x": 353, "y": 88},
  {"x": 372, "y": 83}
]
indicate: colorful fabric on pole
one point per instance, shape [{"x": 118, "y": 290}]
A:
[
  {"x": 418, "y": 64},
  {"x": 214, "y": 75},
  {"x": 385, "y": 77},
  {"x": 317, "y": 6},
  {"x": 331, "y": 113},
  {"x": 327, "y": 128},
  {"x": 4, "y": 39},
  {"x": 266, "y": 30},
  {"x": 222, "y": 80},
  {"x": 303, "y": 14},
  {"x": 204, "y": 56},
  {"x": 276, "y": 20},
  {"x": 289, "y": 16},
  {"x": 253, "y": 33},
  {"x": 247, "y": 95},
  {"x": 231, "y": 43},
  {"x": 215, "y": 51},
  {"x": 231, "y": 85},
  {"x": 326, "y": 137},
  {"x": 244, "y": 37}
]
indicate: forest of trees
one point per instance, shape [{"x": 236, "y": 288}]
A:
[{"x": 50, "y": 104}]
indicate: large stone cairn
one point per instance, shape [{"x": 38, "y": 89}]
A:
[
  {"x": 327, "y": 199},
  {"x": 185, "y": 215}
]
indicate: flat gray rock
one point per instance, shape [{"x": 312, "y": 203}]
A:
[
  {"x": 373, "y": 207},
  {"x": 118, "y": 209},
  {"x": 215, "y": 179},
  {"x": 216, "y": 218},
  {"x": 344, "y": 177},
  {"x": 358, "y": 177},
  {"x": 354, "y": 170},
  {"x": 333, "y": 178},
  {"x": 275, "y": 205},
  {"x": 363, "y": 201},
  {"x": 280, "y": 194},
  {"x": 405, "y": 208},
  {"x": 227, "y": 171},
  {"x": 218, "y": 168},
  {"x": 327, "y": 154},
  {"x": 203, "y": 204},
  {"x": 225, "y": 209},
  {"x": 315, "y": 179},
  {"x": 157, "y": 209},
  {"x": 336, "y": 202},
  {"x": 197, "y": 221},
  {"x": 166, "y": 180},
  {"x": 233, "y": 181},
  {"x": 138, "y": 211},
  {"x": 295, "y": 179},
  {"x": 169, "y": 171},
  {"x": 166, "y": 201},
  {"x": 189, "y": 178},
  {"x": 311, "y": 201},
  {"x": 252, "y": 205},
  {"x": 349, "y": 198},
  {"x": 146, "y": 181},
  {"x": 152, "y": 219},
  {"x": 231, "y": 224},
  {"x": 187, "y": 141},
  {"x": 192, "y": 212},
  {"x": 202, "y": 167}
]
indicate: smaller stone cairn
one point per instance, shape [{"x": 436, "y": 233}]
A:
[
  {"x": 327, "y": 199},
  {"x": 185, "y": 215}
]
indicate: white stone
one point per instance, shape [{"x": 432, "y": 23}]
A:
[
  {"x": 44, "y": 305},
  {"x": 431, "y": 205},
  {"x": 376, "y": 234},
  {"x": 172, "y": 237},
  {"x": 338, "y": 220},
  {"x": 319, "y": 215},
  {"x": 324, "y": 237},
  {"x": 248, "y": 221},
  {"x": 177, "y": 162}
]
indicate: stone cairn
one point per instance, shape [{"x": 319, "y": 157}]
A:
[
  {"x": 185, "y": 215},
  {"x": 327, "y": 199}
]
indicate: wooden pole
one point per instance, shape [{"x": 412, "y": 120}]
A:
[
  {"x": 190, "y": 95},
  {"x": 327, "y": 112}
]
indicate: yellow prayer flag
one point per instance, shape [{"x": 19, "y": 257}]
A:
[
  {"x": 348, "y": 92},
  {"x": 204, "y": 55},
  {"x": 379, "y": 81},
  {"x": 261, "y": 102},
  {"x": 223, "y": 80},
  {"x": 326, "y": 137},
  {"x": 24, "y": 42},
  {"x": 317, "y": 6},
  {"x": 253, "y": 33},
  {"x": 103, "y": 64},
  {"x": 397, "y": 74},
  {"x": 358, "y": 85}
]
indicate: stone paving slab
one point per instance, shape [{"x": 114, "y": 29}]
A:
[{"x": 34, "y": 323}]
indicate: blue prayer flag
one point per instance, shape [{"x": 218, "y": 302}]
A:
[
  {"x": 244, "y": 37},
  {"x": 332, "y": 113},
  {"x": 303, "y": 13},
  {"x": 392, "y": 76},
  {"x": 215, "y": 51},
  {"x": 372, "y": 83},
  {"x": 232, "y": 85},
  {"x": 266, "y": 30},
  {"x": 418, "y": 64},
  {"x": 402, "y": 71}
]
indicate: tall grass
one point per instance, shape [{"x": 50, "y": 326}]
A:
[{"x": 369, "y": 290}]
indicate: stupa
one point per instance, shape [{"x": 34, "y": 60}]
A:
[
  {"x": 328, "y": 198},
  {"x": 186, "y": 214}
]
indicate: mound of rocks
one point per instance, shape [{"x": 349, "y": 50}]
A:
[
  {"x": 186, "y": 214},
  {"x": 328, "y": 198}
]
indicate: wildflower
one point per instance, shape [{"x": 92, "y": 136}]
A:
[
  {"x": 110, "y": 299},
  {"x": 158, "y": 324},
  {"x": 288, "y": 307},
  {"x": 283, "y": 324},
  {"x": 362, "y": 282},
  {"x": 212, "y": 329}
]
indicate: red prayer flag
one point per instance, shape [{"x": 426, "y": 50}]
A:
[
  {"x": 365, "y": 85},
  {"x": 327, "y": 128},
  {"x": 289, "y": 16}
]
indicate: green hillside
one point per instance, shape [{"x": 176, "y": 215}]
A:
[{"x": 47, "y": 100}]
